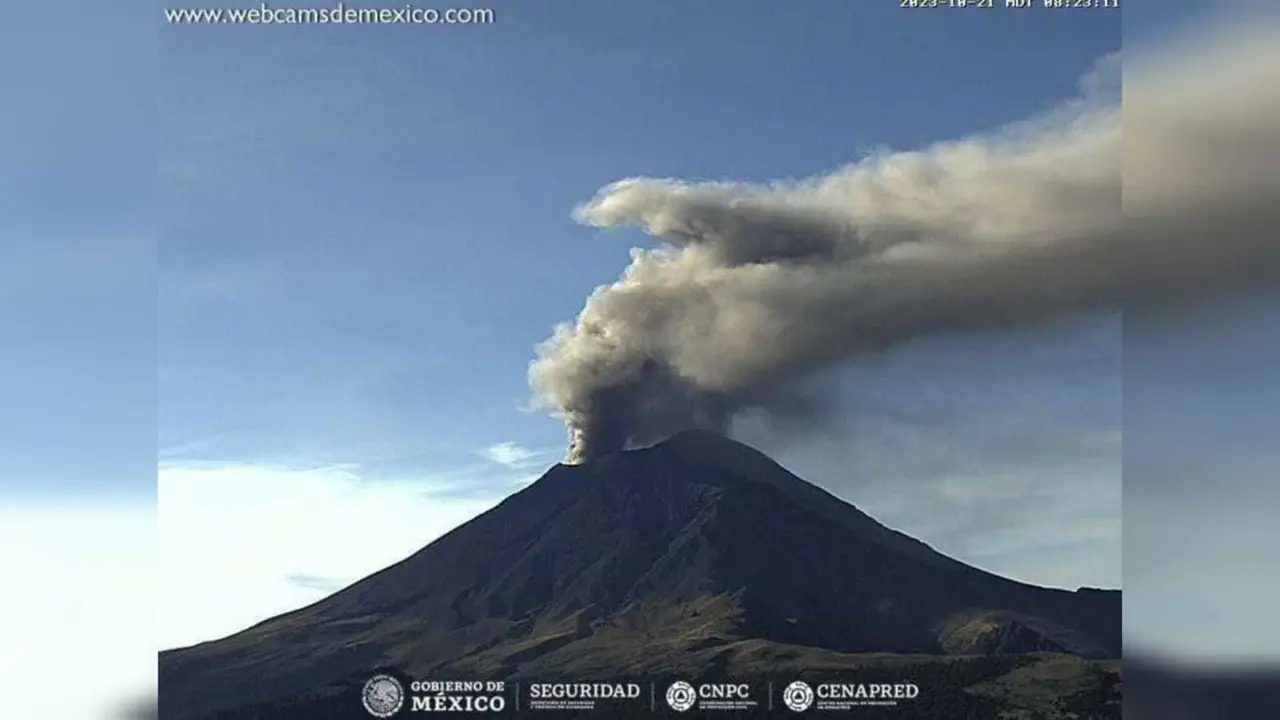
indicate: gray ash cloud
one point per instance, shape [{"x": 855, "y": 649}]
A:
[{"x": 754, "y": 287}]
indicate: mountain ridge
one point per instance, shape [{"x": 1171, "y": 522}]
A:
[{"x": 635, "y": 564}]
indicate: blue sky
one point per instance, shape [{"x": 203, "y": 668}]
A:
[
  {"x": 367, "y": 229},
  {"x": 77, "y": 259}
]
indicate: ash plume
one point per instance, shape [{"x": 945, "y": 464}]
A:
[{"x": 755, "y": 287}]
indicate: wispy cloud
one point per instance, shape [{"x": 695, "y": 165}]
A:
[
  {"x": 482, "y": 487},
  {"x": 514, "y": 456},
  {"x": 242, "y": 543},
  {"x": 319, "y": 582}
]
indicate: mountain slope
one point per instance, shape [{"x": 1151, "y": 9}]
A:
[{"x": 686, "y": 556}]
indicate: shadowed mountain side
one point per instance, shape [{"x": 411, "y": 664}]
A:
[{"x": 672, "y": 559}]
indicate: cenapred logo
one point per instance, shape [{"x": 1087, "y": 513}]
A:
[
  {"x": 798, "y": 696},
  {"x": 383, "y": 696},
  {"x": 681, "y": 696}
]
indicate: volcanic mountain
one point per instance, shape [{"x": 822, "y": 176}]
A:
[{"x": 698, "y": 556}]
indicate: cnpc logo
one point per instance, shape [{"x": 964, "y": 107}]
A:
[{"x": 682, "y": 696}]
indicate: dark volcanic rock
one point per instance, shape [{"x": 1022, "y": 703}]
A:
[{"x": 696, "y": 553}]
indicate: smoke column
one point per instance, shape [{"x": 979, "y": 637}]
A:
[{"x": 756, "y": 286}]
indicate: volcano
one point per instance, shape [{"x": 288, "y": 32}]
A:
[{"x": 697, "y": 556}]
